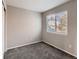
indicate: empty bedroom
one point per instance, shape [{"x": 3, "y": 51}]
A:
[{"x": 40, "y": 29}]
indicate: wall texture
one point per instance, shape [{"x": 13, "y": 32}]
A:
[
  {"x": 23, "y": 27},
  {"x": 66, "y": 43}
]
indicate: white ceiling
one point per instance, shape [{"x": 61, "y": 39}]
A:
[{"x": 36, "y": 5}]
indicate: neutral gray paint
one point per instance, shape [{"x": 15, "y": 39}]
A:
[
  {"x": 23, "y": 27},
  {"x": 64, "y": 42}
]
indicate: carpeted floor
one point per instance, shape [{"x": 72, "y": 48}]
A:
[{"x": 36, "y": 51}]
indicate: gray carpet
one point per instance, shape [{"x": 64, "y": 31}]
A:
[{"x": 36, "y": 51}]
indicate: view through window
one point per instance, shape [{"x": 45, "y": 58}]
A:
[{"x": 57, "y": 23}]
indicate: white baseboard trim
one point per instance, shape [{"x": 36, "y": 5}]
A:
[
  {"x": 40, "y": 41},
  {"x": 23, "y": 45},
  {"x": 60, "y": 49}
]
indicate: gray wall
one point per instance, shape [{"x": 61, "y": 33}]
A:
[
  {"x": 23, "y": 27},
  {"x": 66, "y": 43}
]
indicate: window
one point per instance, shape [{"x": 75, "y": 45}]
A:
[{"x": 57, "y": 23}]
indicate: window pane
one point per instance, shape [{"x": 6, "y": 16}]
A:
[
  {"x": 51, "y": 23},
  {"x": 57, "y": 22}
]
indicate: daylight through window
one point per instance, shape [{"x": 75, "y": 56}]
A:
[{"x": 57, "y": 23}]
